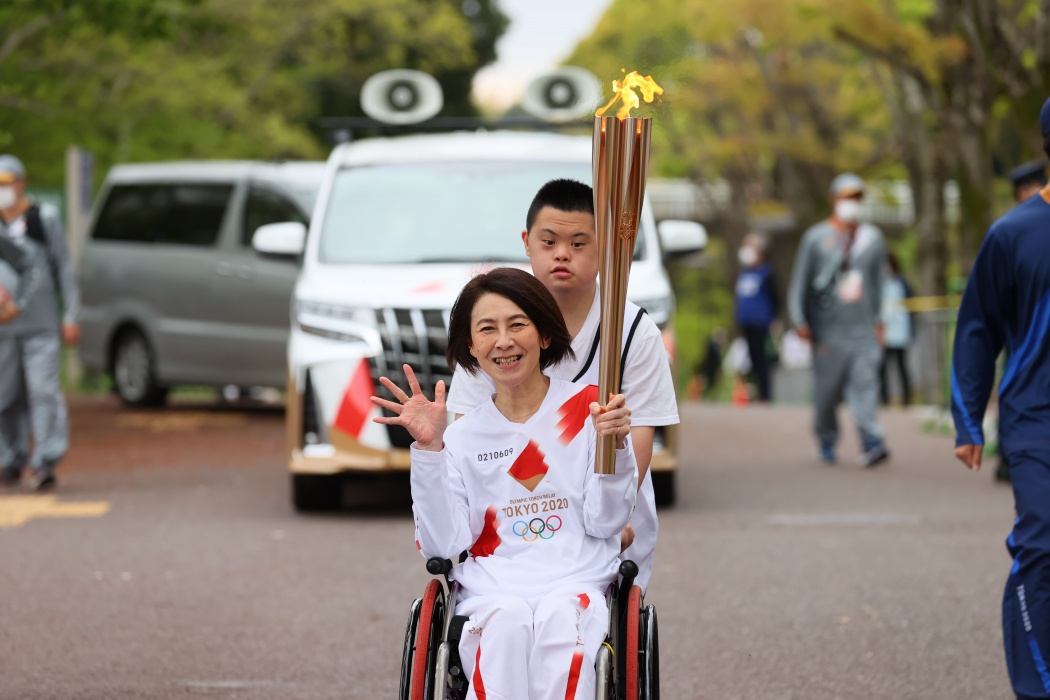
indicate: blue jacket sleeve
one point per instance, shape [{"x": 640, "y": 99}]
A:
[{"x": 979, "y": 337}]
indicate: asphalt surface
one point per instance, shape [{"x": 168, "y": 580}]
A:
[{"x": 169, "y": 564}]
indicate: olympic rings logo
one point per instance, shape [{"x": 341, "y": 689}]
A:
[{"x": 537, "y": 528}]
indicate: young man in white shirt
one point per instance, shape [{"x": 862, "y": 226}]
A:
[{"x": 562, "y": 245}]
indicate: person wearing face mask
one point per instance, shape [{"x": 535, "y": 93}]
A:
[
  {"x": 31, "y": 400},
  {"x": 834, "y": 300},
  {"x": 756, "y": 307}
]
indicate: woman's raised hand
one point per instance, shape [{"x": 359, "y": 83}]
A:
[
  {"x": 613, "y": 419},
  {"x": 425, "y": 420}
]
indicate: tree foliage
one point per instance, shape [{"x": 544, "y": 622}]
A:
[
  {"x": 775, "y": 96},
  {"x": 135, "y": 80}
]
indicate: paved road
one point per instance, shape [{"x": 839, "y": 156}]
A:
[{"x": 170, "y": 565}]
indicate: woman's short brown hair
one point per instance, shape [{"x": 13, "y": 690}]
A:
[{"x": 529, "y": 294}]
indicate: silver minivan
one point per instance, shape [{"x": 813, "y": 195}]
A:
[{"x": 173, "y": 292}]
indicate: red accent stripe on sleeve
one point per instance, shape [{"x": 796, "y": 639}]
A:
[
  {"x": 575, "y": 412},
  {"x": 574, "y": 675},
  {"x": 489, "y": 538},
  {"x": 476, "y": 682}
]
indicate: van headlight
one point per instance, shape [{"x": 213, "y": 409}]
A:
[
  {"x": 659, "y": 310},
  {"x": 337, "y": 322}
]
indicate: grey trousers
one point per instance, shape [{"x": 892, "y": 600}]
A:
[
  {"x": 847, "y": 368},
  {"x": 31, "y": 402}
]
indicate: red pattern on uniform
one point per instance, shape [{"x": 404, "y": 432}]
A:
[
  {"x": 479, "y": 686},
  {"x": 529, "y": 468},
  {"x": 356, "y": 405},
  {"x": 585, "y": 601},
  {"x": 575, "y": 412},
  {"x": 489, "y": 538},
  {"x": 574, "y": 675}
]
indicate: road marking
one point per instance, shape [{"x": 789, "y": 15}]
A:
[
  {"x": 180, "y": 422},
  {"x": 16, "y": 511},
  {"x": 843, "y": 519}
]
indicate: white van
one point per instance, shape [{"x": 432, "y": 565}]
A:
[
  {"x": 400, "y": 226},
  {"x": 172, "y": 291}
]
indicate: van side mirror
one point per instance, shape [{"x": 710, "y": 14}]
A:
[
  {"x": 681, "y": 237},
  {"x": 286, "y": 239}
]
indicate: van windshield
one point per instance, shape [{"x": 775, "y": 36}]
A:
[{"x": 436, "y": 212}]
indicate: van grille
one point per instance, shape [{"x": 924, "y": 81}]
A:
[{"x": 418, "y": 338}]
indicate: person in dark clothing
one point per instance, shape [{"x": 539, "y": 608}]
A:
[
  {"x": 1027, "y": 180},
  {"x": 1007, "y": 304},
  {"x": 756, "y": 308}
]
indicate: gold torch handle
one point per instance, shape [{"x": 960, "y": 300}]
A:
[{"x": 620, "y": 162}]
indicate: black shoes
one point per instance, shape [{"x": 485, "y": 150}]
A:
[
  {"x": 874, "y": 455},
  {"x": 42, "y": 480}
]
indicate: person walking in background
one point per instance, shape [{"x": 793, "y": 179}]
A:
[
  {"x": 1006, "y": 303},
  {"x": 756, "y": 308},
  {"x": 31, "y": 400},
  {"x": 899, "y": 333},
  {"x": 834, "y": 301},
  {"x": 1027, "y": 180}
]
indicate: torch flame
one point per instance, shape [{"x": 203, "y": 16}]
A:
[{"x": 625, "y": 90}]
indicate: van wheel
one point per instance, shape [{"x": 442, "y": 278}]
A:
[
  {"x": 664, "y": 487},
  {"x": 317, "y": 492},
  {"x": 134, "y": 371}
]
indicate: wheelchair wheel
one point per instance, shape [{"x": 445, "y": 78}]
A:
[
  {"x": 425, "y": 624},
  {"x": 650, "y": 676},
  {"x": 631, "y": 650}
]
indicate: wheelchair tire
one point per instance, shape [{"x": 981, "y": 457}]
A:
[
  {"x": 631, "y": 647},
  {"x": 407, "y": 653},
  {"x": 651, "y": 644},
  {"x": 428, "y": 636}
]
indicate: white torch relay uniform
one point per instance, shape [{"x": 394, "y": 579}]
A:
[
  {"x": 543, "y": 532},
  {"x": 646, "y": 383}
]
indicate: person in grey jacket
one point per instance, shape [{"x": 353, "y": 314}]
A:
[
  {"x": 31, "y": 400},
  {"x": 834, "y": 301}
]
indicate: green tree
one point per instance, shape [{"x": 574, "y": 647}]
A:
[{"x": 161, "y": 79}]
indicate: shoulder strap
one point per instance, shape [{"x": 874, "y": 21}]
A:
[
  {"x": 35, "y": 231},
  {"x": 590, "y": 356},
  {"x": 34, "y": 226},
  {"x": 627, "y": 345}
]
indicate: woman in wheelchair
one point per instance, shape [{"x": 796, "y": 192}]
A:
[{"x": 512, "y": 482}]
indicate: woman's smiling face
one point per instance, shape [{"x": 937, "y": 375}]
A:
[{"x": 504, "y": 340}]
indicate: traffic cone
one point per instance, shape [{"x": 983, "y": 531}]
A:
[{"x": 741, "y": 392}]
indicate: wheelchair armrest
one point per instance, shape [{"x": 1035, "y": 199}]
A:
[
  {"x": 436, "y": 566},
  {"x": 628, "y": 572}
]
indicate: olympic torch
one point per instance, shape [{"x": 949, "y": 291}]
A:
[{"x": 620, "y": 162}]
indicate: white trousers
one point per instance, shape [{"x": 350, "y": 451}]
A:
[{"x": 541, "y": 648}]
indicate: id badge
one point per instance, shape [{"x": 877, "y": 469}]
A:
[
  {"x": 17, "y": 230},
  {"x": 851, "y": 287}
]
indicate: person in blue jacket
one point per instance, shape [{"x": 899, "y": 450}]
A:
[
  {"x": 756, "y": 307},
  {"x": 1007, "y": 303}
]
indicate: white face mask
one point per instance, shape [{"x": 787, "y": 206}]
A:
[
  {"x": 8, "y": 197},
  {"x": 847, "y": 211},
  {"x": 747, "y": 256}
]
